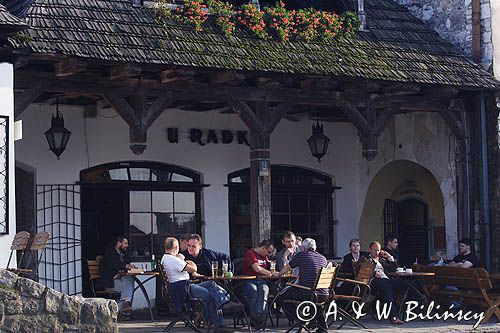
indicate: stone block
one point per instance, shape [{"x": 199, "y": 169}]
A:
[
  {"x": 69, "y": 310},
  {"x": 30, "y": 288},
  {"x": 52, "y": 300},
  {"x": 2, "y": 314},
  {"x": 8, "y": 279},
  {"x": 40, "y": 323},
  {"x": 7, "y": 295},
  {"x": 30, "y": 307},
  {"x": 96, "y": 311},
  {"x": 11, "y": 324},
  {"x": 112, "y": 328},
  {"x": 13, "y": 308}
]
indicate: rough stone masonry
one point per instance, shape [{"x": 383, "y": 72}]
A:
[{"x": 28, "y": 306}]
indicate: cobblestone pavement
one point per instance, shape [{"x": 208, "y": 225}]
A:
[{"x": 373, "y": 326}]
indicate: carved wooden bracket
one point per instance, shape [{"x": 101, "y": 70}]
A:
[
  {"x": 453, "y": 119},
  {"x": 138, "y": 116},
  {"x": 24, "y": 99},
  {"x": 369, "y": 124}
]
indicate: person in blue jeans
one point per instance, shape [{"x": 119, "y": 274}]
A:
[
  {"x": 212, "y": 295},
  {"x": 256, "y": 292}
]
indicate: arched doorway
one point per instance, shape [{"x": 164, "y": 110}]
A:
[
  {"x": 145, "y": 201},
  {"x": 301, "y": 202},
  {"x": 404, "y": 200}
]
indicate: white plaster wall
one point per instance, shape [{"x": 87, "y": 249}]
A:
[
  {"x": 7, "y": 109},
  {"x": 107, "y": 139},
  {"x": 424, "y": 139}
]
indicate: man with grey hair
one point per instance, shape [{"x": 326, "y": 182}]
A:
[
  {"x": 177, "y": 269},
  {"x": 310, "y": 264}
]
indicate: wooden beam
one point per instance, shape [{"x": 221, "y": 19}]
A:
[
  {"x": 124, "y": 71},
  {"x": 246, "y": 114},
  {"x": 385, "y": 115},
  {"x": 356, "y": 117},
  {"x": 138, "y": 116},
  {"x": 276, "y": 116},
  {"x": 70, "y": 66},
  {"x": 158, "y": 106},
  {"x": 24, "y": 99},
  {"x": 21, "y": 61},
  {"x": 453, "y": 122}
]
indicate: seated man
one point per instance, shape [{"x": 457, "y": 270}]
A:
[
  {"x": 310, "y": 264},
  {"x": 290, "y": 248},
  {"x": 352, "y": 257},
  {"x": 203, "y": 257},
  {"x": 391, "y": 246},
  {"x": 177, "y": 270},
  {"x": 116, "y": 260},
  {"x": 384, "y": 288},
  {"x": 465, "y": 257},
  {"x": 183, "y": 242},
  {"x": 256, "y": 292}
]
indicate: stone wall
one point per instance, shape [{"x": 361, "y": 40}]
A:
[
  {"x": 28, "y": 306},
  {"x": 452, "y": 19}
]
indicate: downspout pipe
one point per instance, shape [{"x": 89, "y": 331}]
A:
[
  {"x": 361, "y": 15},
  {"x": 485, "y": 186}
]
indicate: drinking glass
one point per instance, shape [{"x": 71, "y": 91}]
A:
[
  {"x": 215, "y": 268},
  {"x": 225, "y": 267},
  {"x": 273, "y": 265}
]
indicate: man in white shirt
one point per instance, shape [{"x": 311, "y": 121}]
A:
[{"x": 178, "y": 270}]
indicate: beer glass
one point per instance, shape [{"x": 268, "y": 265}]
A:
[
  {"x": 215, "y": 268},
  {"x": 273, "y": 265},
  {"x": 225, "y": 267}
]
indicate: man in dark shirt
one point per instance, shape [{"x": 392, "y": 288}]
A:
[
  {"x": 310, "y": 264},
  {"x": 116, "y": 260},
  {"x": 391, "y": 246},
  {"x": 290, "y": 248},
  {"x": 465, "y": 258},
  {"x": 203, "y": 257}
]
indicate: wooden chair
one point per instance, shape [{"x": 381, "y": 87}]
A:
[
  {"x": 361, "y": 291},
  {"x": 187, "y": 316},
  {"x": 19, "y": 243},
  {"x": 39, "y": 243},
  {"x": 325, "y": 280},
  {"x": 94, "y": 267}
]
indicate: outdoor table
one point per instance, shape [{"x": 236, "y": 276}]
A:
[
  {"x": 410, "y": 279},
  {"x": 226, "y": 282},
  {"x": 140, "y": 285}
]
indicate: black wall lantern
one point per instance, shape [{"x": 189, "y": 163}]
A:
[
  {"x": 57, "y": 135},
  {"x": 318, "y": 142}
]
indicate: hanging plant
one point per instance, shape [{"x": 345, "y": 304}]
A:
[
  {"x": 350, "y": 23},
  {"x": 253, "y": 20},
  {"x": 192, "y": 12},
  {"x": 304, "y": 24},
  {"x": 224, "y": 15},
  {"x": 327, "y": 26},
  {"x": 278, "y": 21}
]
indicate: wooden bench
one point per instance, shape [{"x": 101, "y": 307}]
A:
[{"x": 474, "y": 284}]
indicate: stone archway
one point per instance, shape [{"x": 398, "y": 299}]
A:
[{"x": 401, "y": 182}]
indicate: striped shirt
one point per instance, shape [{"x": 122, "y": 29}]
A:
[{"x": 309, "y": 264}]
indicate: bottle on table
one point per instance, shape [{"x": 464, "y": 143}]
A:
[{"x": 153, "y": 263}]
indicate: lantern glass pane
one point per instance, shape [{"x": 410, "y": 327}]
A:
[{"x": 58, "y": 139}]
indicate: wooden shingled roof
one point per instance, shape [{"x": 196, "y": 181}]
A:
[
  {"x": 397, "y": 46},
  {"x": 8, "y": 22}
]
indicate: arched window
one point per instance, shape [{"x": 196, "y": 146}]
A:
[
  {"x": 301, "y": 202},
  {"x": 146, "y": 201}
]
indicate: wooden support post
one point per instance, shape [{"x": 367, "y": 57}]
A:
[
  {"x": 261, "y": 123},
  {"x": 138, "y": 116}
]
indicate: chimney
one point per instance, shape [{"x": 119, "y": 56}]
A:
[{"x": 361, "y": 15}]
